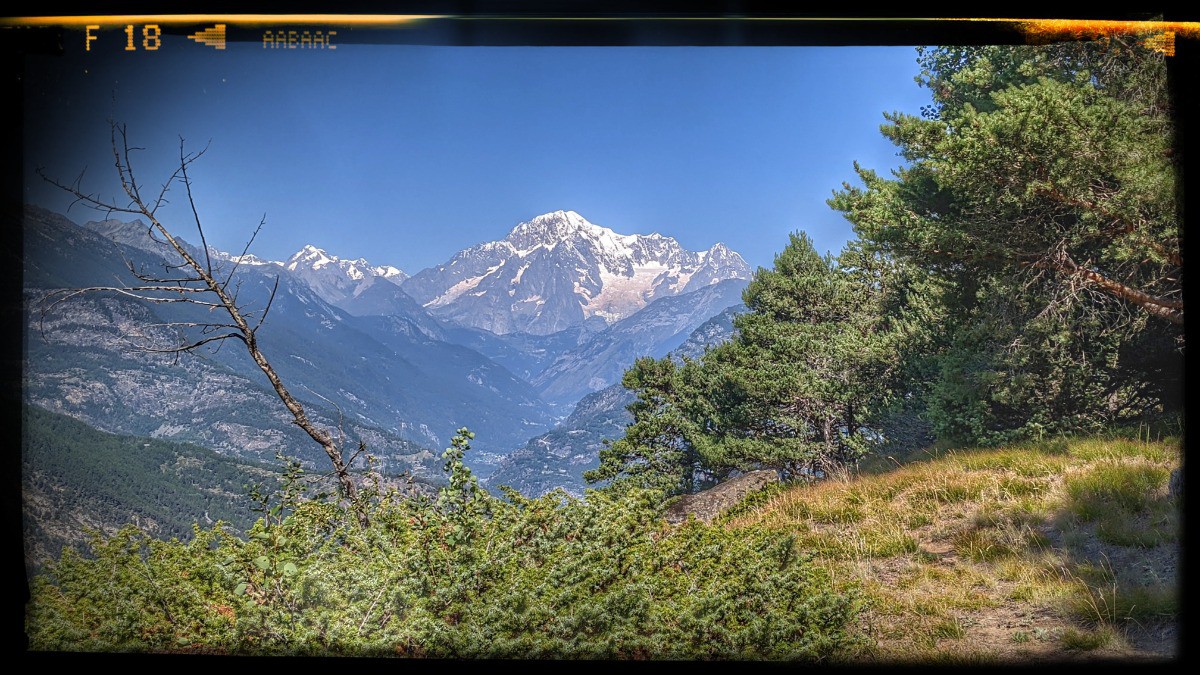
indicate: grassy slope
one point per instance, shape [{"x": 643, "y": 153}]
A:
[{"x": 1062, "y": 550}]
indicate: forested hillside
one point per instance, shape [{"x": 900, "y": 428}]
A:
[{"x": 75, "y": 478}]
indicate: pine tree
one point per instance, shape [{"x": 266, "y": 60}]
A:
[
  {"x": 655, "y": 452},
  {"x": 1040, "y": 193},
  {"x": 809, "y": 370}
]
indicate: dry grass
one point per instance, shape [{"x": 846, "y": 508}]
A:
[{"x": 1064, "y": 550}]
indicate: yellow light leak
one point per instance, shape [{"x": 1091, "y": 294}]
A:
[
  {"x": 1157, "y": 35},
  {"x": 1066, "y": 27},
  {"x": 1161, "y": 42},
  {"x": 364, "y": 20},
  {"x": 1092, "y": 29}
]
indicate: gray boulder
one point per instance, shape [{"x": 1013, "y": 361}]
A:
[{"x": 708, "y": 504}]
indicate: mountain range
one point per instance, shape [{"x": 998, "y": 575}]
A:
[
  {"x": 505, "y": 338},
  {"x": 558, "y": 270},
  {"x": 336, "y": 280}
]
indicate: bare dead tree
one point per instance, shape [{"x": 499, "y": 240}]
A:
[{"x": 197, "y": 282}]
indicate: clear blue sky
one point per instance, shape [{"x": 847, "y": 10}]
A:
[{"x": 406, "y": 154}]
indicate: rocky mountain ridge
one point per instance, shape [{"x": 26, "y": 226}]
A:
[
  {"x": 558, "y": 270},
  {"x": 364, "y": 354}
]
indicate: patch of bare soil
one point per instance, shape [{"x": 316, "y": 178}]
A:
[{"x": 1005, "y": 631}]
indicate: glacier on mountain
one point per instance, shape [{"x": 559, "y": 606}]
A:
[
  {"x": 558, "y": 270},
  {"x": 335, "y": 279}
]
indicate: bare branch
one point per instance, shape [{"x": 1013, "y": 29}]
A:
[
  {"x": 1164, "y": 307},
  {"x": 162, "y": 194},
  {"x": 203, "y": 289},
  {"x": 131, "y": 185},
  {"x": 238, "y": 261},
  {"x": 362, "y": 447},
  {"x": 340, "y": 416},
  {"x": 193, "y": 345},
  {"x": 205, "y": 327},
  {"x": 136, "y": 292},
  {"x": 237, "y": 289},
  {"x": 90, "y": 201},
  {"x": 270, "y": 301},
  {"x": 177, "y": 280},
  {"x": 1119, "y": 224},
  {"x": 184, "y": 160}
]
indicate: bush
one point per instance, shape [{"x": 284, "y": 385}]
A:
[{"x": 465, "y": 575}]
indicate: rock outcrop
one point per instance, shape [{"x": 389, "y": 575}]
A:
[{"x": 708, "y": 504}]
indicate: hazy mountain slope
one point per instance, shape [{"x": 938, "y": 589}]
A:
[
  {"x": 655, "y": 330},
  {"x": 524, "y": 354},
  {"x": 75, "y": 478},
  {"x": 387, "y": 299},
  {"x": 559, "y": 458},
  {"x": 387, "y": 386}
]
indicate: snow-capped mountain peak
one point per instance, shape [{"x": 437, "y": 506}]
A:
[
  {"x": 335, "y": 279},
  {"x": 309, "y": 256},
  {"x": 330, "y": 277},
  {"x": 549, "y": 227},
  {"x": 248, "y": 259},
  {"x": 558, "y": 269}
]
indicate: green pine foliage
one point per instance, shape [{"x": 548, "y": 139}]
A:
[
  {"x": 1040, "y": 192},
  {"x": 656, "y": 452},
  {"x": 812, "y": 366},
  {"x": 1019, "y": 278},
  {"x": 462, "y": 575},
  {"x": 810, "y": 382}
]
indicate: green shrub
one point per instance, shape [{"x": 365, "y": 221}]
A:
[{"x": 463, "y": 575}]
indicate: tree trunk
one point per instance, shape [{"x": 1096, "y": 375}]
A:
[{"x": 1163, "y": 308}]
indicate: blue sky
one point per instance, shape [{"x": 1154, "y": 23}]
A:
[{"x": 404, "y": 154}]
